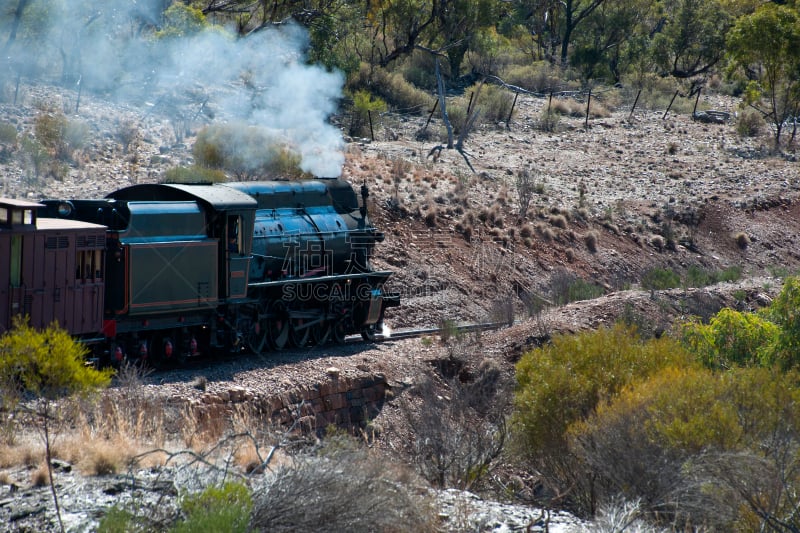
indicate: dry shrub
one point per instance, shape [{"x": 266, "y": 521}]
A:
[
  {"x": 27, "y": 451},
  {"x": 463, "y": 443},
  {"x": 560, "y": 106},
  {"x": 343, "y": 487},
  {"x": 41, "y": 476},
  {"x": 750, "y": 123},
  {"x": 548, "y": 119},
  {"x": 657, "y": 242},
  {"x": 559, "y": 221},
  {"x": 393, "y": 88},
  {"x": 545, "y": 232},
  {"x": 128, "y": 134},
  {"x": 526, "y": 231},
  {"x": 104, "y": 457},
  {"x": 742, "y": 240},
  {"x": 430, "y": 218},
  {"x": 248, "y": 458},
  {"x": 541, "y": 76},
  {"x": 591, "y": 239}
]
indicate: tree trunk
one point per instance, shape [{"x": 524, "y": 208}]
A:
[
  {"x": 443, "y": 105},
  {"x": 12, "y": 36},
  {"x": 45, "y": 411}
]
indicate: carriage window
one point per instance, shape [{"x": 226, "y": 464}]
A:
[
  {"x": 97, "y": 264},
  {"x": 79, "y": 265},
  {"x": 16, "y": 216},
  {"x": 28, "y": 216},
  {"x": 16, "y": 260},
  {"x": 88, "y": 265},
  {"x": 3, "y": 215}
]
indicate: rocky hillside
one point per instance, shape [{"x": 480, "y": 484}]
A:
[{"x": 613, "y": 208}]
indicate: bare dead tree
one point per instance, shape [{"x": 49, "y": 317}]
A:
[
  {"x": 442, "y": 103},
  {"x": 339, "y": 487},
  {"x": 461, "y": 445}
]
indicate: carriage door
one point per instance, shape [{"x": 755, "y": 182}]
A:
[{"x": 238, "y": 257}]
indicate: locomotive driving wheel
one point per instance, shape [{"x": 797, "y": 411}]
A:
[
  {"x": 338, "y": 332},
  {"x": 321, "y": 333},
  {"x": 279, "y": 326},
  {"x": 299, "y": 332},
  {"x": 369, "y": 333}
]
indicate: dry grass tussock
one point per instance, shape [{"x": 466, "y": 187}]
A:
[{"x": 125, "y": 428}]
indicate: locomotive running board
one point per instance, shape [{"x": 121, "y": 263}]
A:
[{"x": 340, "y": 277}]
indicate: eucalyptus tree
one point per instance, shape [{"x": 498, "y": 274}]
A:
[
  {"x": 690, "y": 36},
  {"x": 611, "y": 37},
  {"x": 766, "y": 44},
  {"x": 554, "y": 24}
]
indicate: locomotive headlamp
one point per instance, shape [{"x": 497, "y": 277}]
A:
[{"x": 65, "y": 209}]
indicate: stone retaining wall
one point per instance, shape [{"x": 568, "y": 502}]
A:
[{"x": 341, "y": 400}]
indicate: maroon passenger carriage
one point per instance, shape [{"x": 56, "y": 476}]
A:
[{"x": 51, "y": 270}]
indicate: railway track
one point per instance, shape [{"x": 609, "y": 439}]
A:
[
  {"x": 351, "y": 340},
  {"x": 421, "y": 332}
]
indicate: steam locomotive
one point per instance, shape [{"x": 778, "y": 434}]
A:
[{"x": 162, "y": 272}]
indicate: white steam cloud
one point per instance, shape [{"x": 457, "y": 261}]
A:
[{"x": 260, "y": 80}]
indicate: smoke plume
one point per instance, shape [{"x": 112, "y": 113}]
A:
[{"x": 261, "y": 80}]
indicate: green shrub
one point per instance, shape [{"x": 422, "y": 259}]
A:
[
  {"x": 541, "y": 77},
  {"x": 393, "y": 88},
  {"x": 563, "y": 382},
  {"x": 731, "y": 338},
  {"x": 117, "y": 520},
  {"x": 732, "y": 273},
  {"x": 419, "y": 70},
  {"x": 8, "y": 133},
  {"x": 248, "y": 152},
  {"x": 657, "y": 279},
  {"x": 581, "y": 289},
  {"x": 785, "y": 312},
  {"x": 750, "y": 123},
  {"x": 217, "y": 510},
  {"x": 180, "y": 20},
  {"x": 365, "y": 105},
  {"x": 35, "y": 155},
  {"x": 657, "y": 92},
  {"x": 457, "y": 114},
  {"x": 194, "y": 174},
  {"x": 690, "y": 436},
  {"x": 565, "y": 287},
  {"x": 697, "y": 276},
  {"x": 62, "y": 137},
  {"x": 494, "y": 102}
]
